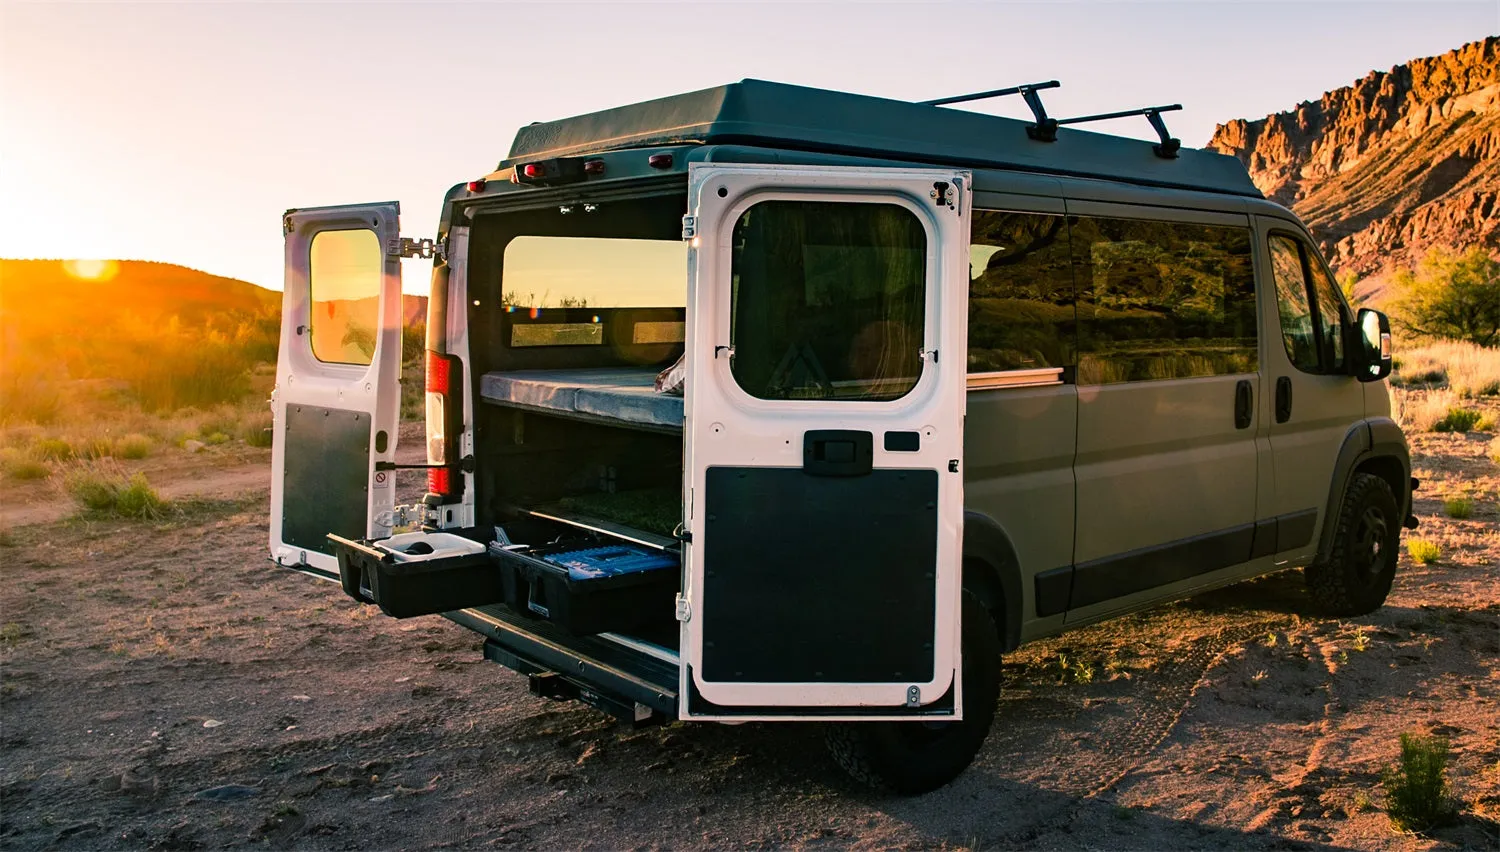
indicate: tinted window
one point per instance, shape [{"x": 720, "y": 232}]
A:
[
  {"x": 827, "y": 300},
  {"x": 344, "y": 277},
  {"x": 1020, "y": 293},
  {"x": 1162, "y": 300},
  {"x": 594, "y": 272},
  {"x": 1297, "y": 333}
]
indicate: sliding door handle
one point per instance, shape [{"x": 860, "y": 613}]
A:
[
  {"x": 1283, "y": 399},
  {"x": 1244, "y": 404}
]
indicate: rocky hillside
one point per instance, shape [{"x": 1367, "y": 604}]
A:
[{"x": 1391, "y": 166}]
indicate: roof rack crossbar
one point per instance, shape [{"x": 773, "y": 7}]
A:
[
  {"x": 1044, "y": 129},
  {"x": 1168, "y": 146}
]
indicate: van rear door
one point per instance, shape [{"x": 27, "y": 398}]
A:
[
  {"x": 824, "y": 434},
  {"x": 338, "y": 371}
]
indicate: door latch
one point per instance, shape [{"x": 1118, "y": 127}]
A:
[{"x": 684, "y": 609}]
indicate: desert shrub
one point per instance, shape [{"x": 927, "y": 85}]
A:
[
  {"x": 1423, "y": 551},
  {"x": 1417, "y": 796},
  {"x": 1495, "y": 451},
  {"x": 52, "y": 449},
  {"x": 1453, "y": 296},
  {"x": 94, "y": 447},
  {"x": 255, "y": 429},
  {"x": 133, "y": 446},
  {"x": 105, "y": 490},
  {"x": 1419, "y": 411},
  {"x": 1458, "y": 507},
  {"x": 24, "y": 399},
  {"x": 1458, "y": 420},
  {"x": 21, "y": 465},
  {"x": 1466, "y": 369},
  {"x": 414, "y": 344}
]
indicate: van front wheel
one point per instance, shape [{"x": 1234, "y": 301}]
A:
[
  {"x": 910, "y": 758},
  {"x": 1361, "y": 564}
]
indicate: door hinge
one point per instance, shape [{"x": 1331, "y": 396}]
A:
[
  {"x": 689, "y": 227},
  {"x": 684, "y": 609},
  {"x": 425, "y": 249},
  {"x": 914, "y": 696}
]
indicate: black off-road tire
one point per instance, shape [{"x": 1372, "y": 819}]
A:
[
  {"x": 911, "y": 758},
  {"x": 1361, "y": 564}
]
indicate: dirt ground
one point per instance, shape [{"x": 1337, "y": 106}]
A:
[{"x": 163, "y": 686}]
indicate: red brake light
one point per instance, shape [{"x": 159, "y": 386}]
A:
[
  {"x": 534, "y": 170},
  {"x": 593, "y": 167},
  {"x": 440, "y": 480},
  {"x": 660, "y": 161},
  {"x": 439, "y": 374},
  {"x": 476, "y": 185}
]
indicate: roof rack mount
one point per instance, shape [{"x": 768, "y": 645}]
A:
[
  {"x": 1168, "y": 146},
  {"x": 1043, "y": 130}
]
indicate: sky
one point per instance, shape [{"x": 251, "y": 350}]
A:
[{"x": 180, "y": 131}]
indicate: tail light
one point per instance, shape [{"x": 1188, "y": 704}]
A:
[{"x": 444, "y": 411}]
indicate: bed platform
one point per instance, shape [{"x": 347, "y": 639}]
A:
[{"x": 619, "y": 395}]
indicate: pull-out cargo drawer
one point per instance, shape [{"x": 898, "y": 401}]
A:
[
  {"x": 419, "y": 573},
  {"x": 587, "y": 584}
]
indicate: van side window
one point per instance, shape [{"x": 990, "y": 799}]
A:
[
  {"x": 828, "y": 300},
  {"x": 345, "y": 272},
  {"x": 1297, "y": 333},
  {"x": 1162, "y": 300},
  {"x": 1021, "y": 313},
  {"x": 1312, "y": 314}
]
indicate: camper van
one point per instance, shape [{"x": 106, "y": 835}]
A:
[{"x": 770, "y": 403}]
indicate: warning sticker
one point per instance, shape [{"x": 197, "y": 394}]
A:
[{"x": 382, "y": 479}]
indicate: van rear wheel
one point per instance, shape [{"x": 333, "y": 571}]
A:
[
  {"x": 1361, "y": 564},
  {"x": 910, "y": 758}
]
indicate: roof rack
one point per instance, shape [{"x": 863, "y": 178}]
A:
[
  {"x": 1168, "y": 146},
  {"x": 1043, "y": 130}
]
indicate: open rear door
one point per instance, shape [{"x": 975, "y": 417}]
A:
[
  {"x": 338, "y": 393},
  {"x": 824, "y": 438}
]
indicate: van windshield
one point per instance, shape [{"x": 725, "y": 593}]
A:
[{"x": 594, "y": 272}]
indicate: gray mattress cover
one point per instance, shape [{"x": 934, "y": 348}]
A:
[{"x": 613, "y": 393}]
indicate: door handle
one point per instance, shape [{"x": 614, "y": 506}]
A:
[
  {"x": 1244, "y": 404},
  {"x": 1283, "y": 399},
  {"x": 837, "y": 452}
]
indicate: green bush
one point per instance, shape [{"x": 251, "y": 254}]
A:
[
  {"x": 1458, "y": 507},
  {"x": 1455, "y": 296},
  {"x": 25, "y": 467},
  {"x": 52, "y": 449},
  {"x": 106, "y": 491},
  {"x": 1417, "y": 796},
  {"x": 133, "y": 446},
  {"x": 1458, "y": 420},
  {"x": 1423, "y": 551}
]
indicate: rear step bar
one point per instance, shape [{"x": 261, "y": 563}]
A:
[{"x": 625, "y": 683}]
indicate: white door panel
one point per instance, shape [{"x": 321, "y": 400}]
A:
[
  {"x": 806, "y": 448},
  {"x": 337, "y": 400}
]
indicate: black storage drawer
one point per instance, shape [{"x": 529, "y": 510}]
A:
[
  {"x": 542, "y": 589},
  {"x": 404, "y": 589}
]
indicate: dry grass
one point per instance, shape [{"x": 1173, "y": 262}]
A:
[
  {"x": 1458, "y": 508},
  {"x": 1467, "y": 370},
  {"x": 1436, "y": 411},
  {"x": 102, "y": 488},
  {"x": 20, "y": 465}
]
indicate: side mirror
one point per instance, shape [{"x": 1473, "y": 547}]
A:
[{"x": 1374, "y": 361}]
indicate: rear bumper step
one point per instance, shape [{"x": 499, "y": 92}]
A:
[{"x": 628, "y": 684}]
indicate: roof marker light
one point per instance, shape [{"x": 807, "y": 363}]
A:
[
  {"x": 534, "y": 170},
  {"x": 593, "y": 167},
  {"x": 476, "y": 185},
  {"x": 660, "y": 161}
]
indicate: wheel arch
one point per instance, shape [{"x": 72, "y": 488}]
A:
[
  {"x": 1375, "y": 446},
  {"x": 992, "y": 569}
]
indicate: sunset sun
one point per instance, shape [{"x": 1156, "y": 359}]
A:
[{"x": 92, "y": 270}]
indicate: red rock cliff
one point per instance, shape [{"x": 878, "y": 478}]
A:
[{"x": 1391, "y": 166}]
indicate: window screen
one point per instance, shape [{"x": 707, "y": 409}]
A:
[
  {"x": 1162, "y": 300},
  {"x": 828, "y": 300},
  {"x": 1021, "y": 313}
]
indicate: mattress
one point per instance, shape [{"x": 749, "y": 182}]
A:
[{"x": 619, "y": 394}]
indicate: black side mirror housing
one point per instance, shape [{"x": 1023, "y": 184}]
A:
[{"x": 1374, "y": 337}]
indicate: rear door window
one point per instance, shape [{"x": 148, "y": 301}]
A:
[
  {"x": 344, "y": 277},
  {"x": 828, "y": 300}
]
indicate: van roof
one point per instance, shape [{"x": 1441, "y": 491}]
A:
[{"x": 777, "y": 115}]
